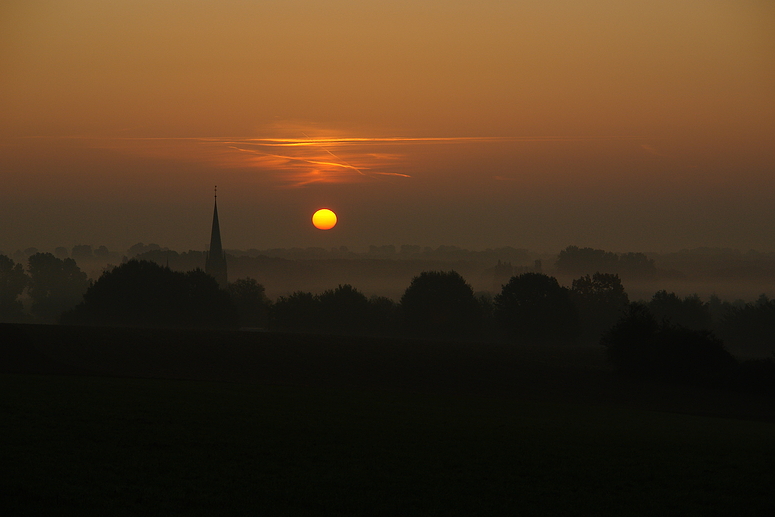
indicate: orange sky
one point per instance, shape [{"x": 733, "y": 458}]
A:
[{"x": 631, "y": 126}]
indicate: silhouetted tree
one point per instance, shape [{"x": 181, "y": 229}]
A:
[
  {"x": 139, "y": 248},
  {"x": 13, "y": 280},
  {"x": 751, "y": 326},
  {"x": 600, "y": 301},
  {"x": 628, "y": 342},
  {"x": 440, "y": 303},
  {"x": 56, "y": 285},
  {"x": 487, "y": 307},
  {"x": 145, "y": 294},
  {"x": 384, "y": 315},
  {"x": 719, "y": 311},
  {"x": 535, "y": 307},
  {"x": 382, "y": 251},
  {"x": 299, "y": 311},
  {"x": 575, "y": 260},
  {"x": 103, "y": 253},
  {"x": 636, "y": 265},
  {"x": 344, "y": 309},
  {"x": 689, "y": 312},
  {"x": 251, "y": 302},
  {"x": 641, "y": 346},
  {"x": 579, "y": 261},
  {"x": 341, "y": 310}
]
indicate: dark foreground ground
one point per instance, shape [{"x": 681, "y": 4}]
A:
[{"x": 128, "y": 422}]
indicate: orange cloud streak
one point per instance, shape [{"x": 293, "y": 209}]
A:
[{"x": 308, "y": 160}]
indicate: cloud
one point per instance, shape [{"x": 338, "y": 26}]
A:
[
  {"x": 317, "y": 156},
  {"x": 342, "y": 159}
]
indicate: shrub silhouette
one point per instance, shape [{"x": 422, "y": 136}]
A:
[
  {"x": 575, "y": 260},
  {"x": 536, "y": 308},
  {"x": 344, "y": 309},
  {"x": 299, "y": 311},
  {"x": 641, "y": 346},
  {"x": 341, "y": 310},
  {"x": 56, "y": 285},
  {"x": 384, "y": 315},
  {"x": 250, "y": 301},
  {"x": 751, "y": 326},
  {"x": 142, "y": 293},
  {"x": 13, "y": 280},
  {"x": 600, "y": 301},
  {"x": 689, "y": 312},
  {"x": 440, "y": 303}
]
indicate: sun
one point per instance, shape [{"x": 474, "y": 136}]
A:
[{"x": 324, "y": 219}]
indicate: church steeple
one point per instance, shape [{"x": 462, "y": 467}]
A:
[{"x": 215, "y": 263}]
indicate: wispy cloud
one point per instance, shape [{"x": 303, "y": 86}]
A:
[
  {"x": 304, "y": 160},
  {"x": 300, "y": 162}
]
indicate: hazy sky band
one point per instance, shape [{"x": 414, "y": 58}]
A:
[{"x": 620, "y": 125}]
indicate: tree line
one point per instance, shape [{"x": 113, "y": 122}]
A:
[
  {"x": 531, "y": 306},
  {"x": 53, "y": 284},
  {"x": 669, "y": 337}
]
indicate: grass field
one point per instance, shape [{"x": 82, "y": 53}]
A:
[{"x": 113, "y": 445}]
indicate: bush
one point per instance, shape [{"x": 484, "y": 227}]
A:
[
  {"x": 689, "y": 312},
  {"x": 344, "y": 310},
  {"x": 641, "y": 346},
  {"x": 145, "y": 294},
  {"x": 55, "y": 285},
  {"x": 755, "y": 375},
  {"x": 249, "y": 298},
  {"x": 536, "y": 308},
  {"x": 13, "y": 281},
  {"x": 298, "y": 311},
  {"x": 440, "y": 303},
  {"x": 751, "y": 326},
  {"x": 600, "y": 301}
]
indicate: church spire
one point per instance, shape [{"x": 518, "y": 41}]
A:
[
  {"x": 215, "y": 263},
  {"x": 215, "y": 235}
]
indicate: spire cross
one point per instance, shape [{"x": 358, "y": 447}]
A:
[{"x": 216, "y": 191}]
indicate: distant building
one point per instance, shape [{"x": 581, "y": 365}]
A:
[{"x": 215, "y": 261}]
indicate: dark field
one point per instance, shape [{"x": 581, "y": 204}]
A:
[{"x": 128, "y": 422}]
